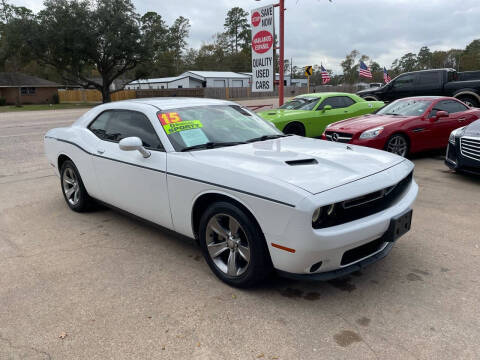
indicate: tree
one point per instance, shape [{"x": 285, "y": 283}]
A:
[
  {"x": 424, "y": 58},
  {"x": 78, "y": 37},
  {"x": 237, "y": 28}
]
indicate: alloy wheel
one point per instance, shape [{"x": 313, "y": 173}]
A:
[
  {"x": 397, "y": 145},
  {"x": 71, "y": 186},
  {"x": 227, "y": 245}
]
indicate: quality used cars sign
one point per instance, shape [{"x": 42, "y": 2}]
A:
[{"x": 262, "y": 48}]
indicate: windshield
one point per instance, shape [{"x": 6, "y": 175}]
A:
[
  {"x": 408, "y": 107},
  {"x": 300, "y": 103},
  {"x": 293, "y": 104},
  {"x": 220, "y": 125}
]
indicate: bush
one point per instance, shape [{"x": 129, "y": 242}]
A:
[
  {"x": 3, "y": 101},
  {"x": 55, "y": 99}
]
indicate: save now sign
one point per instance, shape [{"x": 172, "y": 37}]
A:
[{"x": 263, "y": 40}]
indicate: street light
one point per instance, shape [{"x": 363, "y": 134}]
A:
[{"x": 281, "y": 65}]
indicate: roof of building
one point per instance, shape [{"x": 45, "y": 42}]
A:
[
  {"x": 16, "y": 79},
  {"x": 217, "y": 74},
  {"x": 159, "y": 80}
]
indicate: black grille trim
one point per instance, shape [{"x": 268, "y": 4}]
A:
[
  {"x": 362, "y": 251},
  {"x": 366, "y": 205}
]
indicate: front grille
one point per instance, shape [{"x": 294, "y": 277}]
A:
[
  {"x": 366, "y": 205},
  {"x": 338, "y": 136},
  {"x": 470, "y": 147},
  {"x": 360, "y": 252}
]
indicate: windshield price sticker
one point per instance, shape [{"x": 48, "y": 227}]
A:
[
  {"x": 169, "y": 118},
  {"x": 182, "y": 126}
]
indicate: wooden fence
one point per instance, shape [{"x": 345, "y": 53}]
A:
[{"x": 89, "y": 95}]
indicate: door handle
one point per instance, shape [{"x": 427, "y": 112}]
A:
[
  {"x": 100, "y": 151},
  {"x": 462, "y": 119}
]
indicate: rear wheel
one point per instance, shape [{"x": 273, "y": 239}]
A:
[
  {"x": 469, "y": 100},
  {"x": 397, "y": 144},
  {"x": 73, "y": 189},
  {"x": 233, "y": 245},
  {"x": 294, "y": 129}
]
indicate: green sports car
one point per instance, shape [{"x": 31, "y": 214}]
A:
[{"x": 309, "y": 114}]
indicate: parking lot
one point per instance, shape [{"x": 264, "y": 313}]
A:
[{"x": 101, "y": 285}]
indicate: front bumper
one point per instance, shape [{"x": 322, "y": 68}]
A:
[
  {"x": 456, "y": 161},
  {"x": 329, "y": 245}
]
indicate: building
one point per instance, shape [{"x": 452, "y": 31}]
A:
[
  {"x": 18, "y": 88},
  {"x": 194, "y": 79}
]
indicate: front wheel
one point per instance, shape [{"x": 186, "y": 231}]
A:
[
  {"x": 294, "y": 129},
  {"x": 233, "y": 245},
  {"x": 397, "y": 144}
]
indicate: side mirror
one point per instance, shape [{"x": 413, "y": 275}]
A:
[
  {"x": 133, "y": 143},
  {"x": 439, "y": 115},
  {"x": 327, "y": 107}
]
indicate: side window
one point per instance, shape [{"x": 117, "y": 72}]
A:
[
  {"x": 404, "y": 82},
  {"x": 347, "y": 101},
  {"x": 455, "y": 106},
  {"x": 335, "y": 102},
  {"x": 99, "y": 125},
  {"x": 429, "y": 79},
  {"x": 450, "y": 106},
  {"x": 115, "y": 125}
]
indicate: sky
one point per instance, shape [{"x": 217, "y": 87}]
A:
[{"x": 320, "y": 31}]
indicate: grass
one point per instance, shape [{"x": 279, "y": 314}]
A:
[{"x": 8, "y": 108}]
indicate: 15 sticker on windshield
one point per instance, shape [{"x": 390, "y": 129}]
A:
[{"x": 169, "y": 118}]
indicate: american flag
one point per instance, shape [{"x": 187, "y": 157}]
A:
[
  {"x": 325, "y": 76},
  {"x": 386, "y": 77},
  {"x": 364, "y": 71}
]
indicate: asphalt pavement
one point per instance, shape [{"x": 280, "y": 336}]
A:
[{"x": 101, "y": 285}]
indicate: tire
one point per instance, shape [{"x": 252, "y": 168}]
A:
[
  {"x": 294, "y": 129},
  {"x": 233, "y": 245},
  {"x": 469, "y": 100},
  {"x": 371, "y": 98},
  {"x": 73, "y": 190},
  {"x": 398, "y": 144}
]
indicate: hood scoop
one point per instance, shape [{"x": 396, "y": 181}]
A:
[{"x": 301, "y": 162}]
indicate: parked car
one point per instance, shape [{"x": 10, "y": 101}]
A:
[
  {"x": 406, "y": 126},
  {"x": 254, "y": 198},
  {"x": 463, "y": 151},
  {"x": 309, "y": 114},
  {"x": 440, "y": 82}
]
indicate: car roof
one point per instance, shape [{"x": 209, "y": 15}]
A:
[
  {"x": 166, "y": 103},
  {"x": 325, "y": 94},
  {"x": 432, "y": 97}
]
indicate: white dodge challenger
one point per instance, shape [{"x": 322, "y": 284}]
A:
[{"x": 254, "y": 198}]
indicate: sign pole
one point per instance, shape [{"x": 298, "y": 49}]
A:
[
  {"x": 308, "y": 84},
  {"x": 282, "y": 41}
]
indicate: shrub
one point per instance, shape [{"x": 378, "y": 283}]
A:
[
  {"x": 55, "y": 99},
  {"x": 3, "y": 101}
]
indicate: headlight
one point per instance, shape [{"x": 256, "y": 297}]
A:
[
  {"x": 322, "y": 214},
  {"x": 455, "y": 133},
  {"x": 371, "y": 133}
]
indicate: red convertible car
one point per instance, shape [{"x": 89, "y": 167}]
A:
[{"x": 405, "y": 126}]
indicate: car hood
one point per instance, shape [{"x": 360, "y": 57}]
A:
[
  {"x": 280, "y": 114},
  {"x": 473, "y": 129},
  {"x": 310, "y": 164},
  {"x": 366, "y": 122}
]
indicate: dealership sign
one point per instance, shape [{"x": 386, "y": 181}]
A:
[{"x": 263, "y": 40}]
